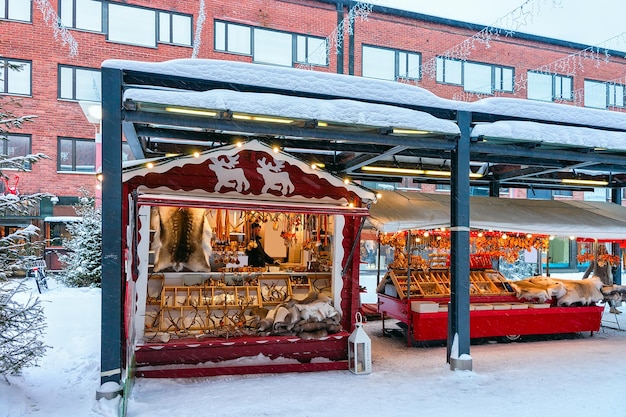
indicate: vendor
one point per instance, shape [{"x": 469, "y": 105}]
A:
[{"x": 256, "y": 254}]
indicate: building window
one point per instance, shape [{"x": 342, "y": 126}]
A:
[
  {"x": 15, "y": 77},
  {"x": 311, "y": 50},
  {"x": 449, "y": 71},
  {"x": 595, "y": 94},
  {"x": 272, "y": 47},
  {"x": 616, "y": 95},
  {"x": 16, "y": 146},
  {"x": 79, "y": 83},
  {"x": 390, "y": 64},
  {"x": 475, "y": 77},
  {"x": 81, "y": 14},
  {"x": 57, "y": 233},
  {"x": 549, "y": 87},
  {"x": 20, "y": 10},
  {"x": 76, "y": 155},
  {"x": 131, "y": 25},
  {"x": 504, "y": 79},
  {"x": 175, "y": 28},
  {"x": 233, "y": 38}
]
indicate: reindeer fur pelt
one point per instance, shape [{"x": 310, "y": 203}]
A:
[
  {"x": 310, "y": 318},
  {"x": 614, "y": 292},
  {"x": 182, "y": 239},
  {"x": 566, "y": 292},
  {"x": 539, "y": 292}
]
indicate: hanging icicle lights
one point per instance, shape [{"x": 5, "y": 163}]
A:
[
  {"x": 360, "y": 10},
  {"x": 197, "y": 39},
  {"x": 569, "y": 66},
  {"x": 53, "y": 20},
  {"x": 506, "y": 26}
]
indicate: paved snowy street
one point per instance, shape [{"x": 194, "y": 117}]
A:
[{"x": 574, "y": 376}]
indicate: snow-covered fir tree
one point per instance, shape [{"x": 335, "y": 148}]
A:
[
  {"x": 21, "y": 323},
  {"x": 83, "y": 260}
]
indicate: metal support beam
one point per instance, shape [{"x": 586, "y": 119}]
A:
[
  {"x": 367, "y": 159},
  {"x": 111, "y": 342},
  {"x": 132, "y": 140},
  {"x": 458, "y": 315},
  {"x": 494, "y": 189}
]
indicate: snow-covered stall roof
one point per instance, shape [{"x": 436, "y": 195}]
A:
[
  {"x": 318, "y": 83},
  {"x": 345, "y": 112},
  {"x": 397, "y": 211},
  {"x": 288, "y": 79}
]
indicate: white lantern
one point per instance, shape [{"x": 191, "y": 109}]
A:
[{"x": 359, "y": 349}]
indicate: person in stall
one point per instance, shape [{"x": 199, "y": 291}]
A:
[
  {"x": 256, "y": 254},
  {"x": 601, "y": 268}
]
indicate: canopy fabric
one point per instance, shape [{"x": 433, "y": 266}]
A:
[{"x": 399, "y": 210}]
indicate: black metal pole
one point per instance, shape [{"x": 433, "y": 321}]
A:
[{"x": 458, "y": 315}]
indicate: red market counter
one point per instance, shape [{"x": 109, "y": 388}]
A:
[
  {"x": 433, "y": 326},
  {"x": 189, "y": 357}
]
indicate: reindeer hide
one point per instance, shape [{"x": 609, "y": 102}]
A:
[
  {"x": 532, "y": 291},
  {"x": 182, "y": 239}
]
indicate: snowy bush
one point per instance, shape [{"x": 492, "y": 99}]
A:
[
  {"x": 83, "y": 260},
  {"x": 21, "y": 324},
  {"x": 21, "y": 330}
]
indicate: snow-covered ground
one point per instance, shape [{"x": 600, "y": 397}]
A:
[{"x": 579, "y": 376}]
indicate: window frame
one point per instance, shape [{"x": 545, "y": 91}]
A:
[
  {"x": 307, "y": 38},
  {"x": 72, "y": 24},
  {"x": 587, "y": 86},
  {"x": 74, "y": 97},
  {"x": 442, "y": 76},
  {"x": 5, "y": 144},
  {"x": 155, "y": 19},
  {"x": 224, "y": 33},
  {"x": 74, "y": 162},
  {"x": 4, "y": 14},
  {"x": 397, "y": 57},
  {"x": 256, "y": 31},
  {"x": 171, "y": 27},
  {"x": 612, "y": 94},
  {"x": 5, "y": 76},
  {"x": 555, "y": 79},
  {"x": 227, "y": 25},
  {"x": 496, "y": 82}
]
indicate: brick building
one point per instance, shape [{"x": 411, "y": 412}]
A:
[{"x": 61, "y": 45}]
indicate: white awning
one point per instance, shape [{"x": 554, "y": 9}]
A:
[{"x": 397, "y": 211}]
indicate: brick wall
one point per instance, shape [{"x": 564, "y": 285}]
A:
[{"x": 57, "y": 118}]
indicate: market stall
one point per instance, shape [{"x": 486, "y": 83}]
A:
[
  {"x": 416, "y": 288},
  {"x": 196, "y": 303}
]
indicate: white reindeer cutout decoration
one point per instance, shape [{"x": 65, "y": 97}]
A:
[
  {"x": 227, "y": 175},
  {"x": 274, "y": 178}
]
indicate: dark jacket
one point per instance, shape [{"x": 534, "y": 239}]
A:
[{"x": 257, "y": 256}]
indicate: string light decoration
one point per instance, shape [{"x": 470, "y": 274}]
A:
[
  {"x": 569, "y": 66},
  {"x": 197, "y": 39},
  {"x": 361, "y": 11},
  {"x": 52, "y": 19},
  {"x": 505, "y": 26}
]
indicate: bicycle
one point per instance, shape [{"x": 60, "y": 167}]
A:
[{"x": 37, "y": 270}]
